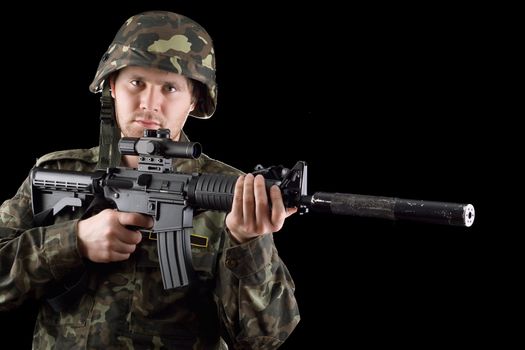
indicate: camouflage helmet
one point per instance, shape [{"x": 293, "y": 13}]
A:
[{"x": 167, "y": 41}]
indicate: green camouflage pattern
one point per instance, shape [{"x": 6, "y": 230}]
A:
[
  {"x": 166, "y": 41},
  {"x": 243, "y": 296}
]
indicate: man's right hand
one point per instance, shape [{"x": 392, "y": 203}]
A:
[{"x": 105, "y": 238}]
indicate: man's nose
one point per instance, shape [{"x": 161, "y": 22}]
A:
[{"x": 150, "y": 99}]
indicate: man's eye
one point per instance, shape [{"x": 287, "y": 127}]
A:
[
  {"x": 171, "y": 88},
  {"x": 135, "y": 82}
]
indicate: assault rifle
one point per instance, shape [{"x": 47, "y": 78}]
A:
[{"x": 170, "y": 197}]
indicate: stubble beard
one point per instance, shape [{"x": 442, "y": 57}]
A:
[{"x": 133, "y": 129}]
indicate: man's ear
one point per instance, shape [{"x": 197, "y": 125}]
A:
[{"x": 112, "y": 79}]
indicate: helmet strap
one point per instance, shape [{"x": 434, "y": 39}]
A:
[{"x": 109, "y": 155}]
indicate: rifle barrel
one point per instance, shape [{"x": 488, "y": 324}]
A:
[{"x": 391, "y": 208}]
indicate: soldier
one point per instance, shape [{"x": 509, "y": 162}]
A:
[{"x": 97, "y": 281}]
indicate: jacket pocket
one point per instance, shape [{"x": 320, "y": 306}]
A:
[
  {"x": 74, "y": 317},
  {"x": 172, "y": 313}
]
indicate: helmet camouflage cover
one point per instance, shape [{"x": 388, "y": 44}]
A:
[{"x": 166, "y": 41}]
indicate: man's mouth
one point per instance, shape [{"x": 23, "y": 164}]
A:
[{"x": 148, "y": 124}]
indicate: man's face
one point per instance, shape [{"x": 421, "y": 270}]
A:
[{"x": 147, "y": 98}]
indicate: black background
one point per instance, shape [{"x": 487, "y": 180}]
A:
[{"x": 378, "y": 100}]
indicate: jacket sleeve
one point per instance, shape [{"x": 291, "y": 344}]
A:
[
  {"x": 255, "y": 295},
  {"x": 32, "y": 257}
]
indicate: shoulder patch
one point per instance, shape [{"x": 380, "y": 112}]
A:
[{"x": 85, "y": 155}]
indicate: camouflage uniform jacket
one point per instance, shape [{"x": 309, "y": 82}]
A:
[{"x": 243, "y": 295}]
